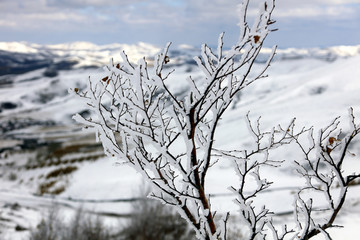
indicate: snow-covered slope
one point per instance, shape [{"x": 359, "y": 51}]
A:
[
  {"x": 20, "y": 57},
  {"x": 38, "y": 136}
]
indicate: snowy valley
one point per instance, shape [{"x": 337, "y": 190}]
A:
[{"x": 47, "y": 159}]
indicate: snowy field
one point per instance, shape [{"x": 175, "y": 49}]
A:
[{"x": 38, "y": 136}]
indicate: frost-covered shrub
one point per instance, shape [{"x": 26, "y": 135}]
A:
[
  {"x": 50, "y": 227},
  {"x": 152, "y": 220},
  {"x": 170, "y": 138},
  {"x": 81, "y": 227}
]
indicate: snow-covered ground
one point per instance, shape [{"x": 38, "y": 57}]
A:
[{"x": 315, "y": 86}]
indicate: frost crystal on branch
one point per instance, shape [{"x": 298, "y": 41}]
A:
[{"x": 169, "y": 140}]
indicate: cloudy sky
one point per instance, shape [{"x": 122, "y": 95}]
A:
[{"x": 301, "y": 23}]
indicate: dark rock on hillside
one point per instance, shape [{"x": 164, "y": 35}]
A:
[
  {"x": 6, "y": 81},
  {"x": 31, "y": 144},
  {"x": 51, "y": 72},
  {"x": 8, "y": 105},
  {"x": 21, "y": 123}
]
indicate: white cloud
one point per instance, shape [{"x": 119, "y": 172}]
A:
[
  {"x": 169, "y": 12},
  {"x": 8, "y": 24},
  {"x": 90, "y": 3},
  {"x": 157, "y": 17},
  {"x": 311, "y": 3},
  {"x": 339, "y": 12}
]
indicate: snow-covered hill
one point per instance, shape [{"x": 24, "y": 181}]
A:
[
  {"x": 21, "y": 57},
  {"x": 38, "y": 138}
]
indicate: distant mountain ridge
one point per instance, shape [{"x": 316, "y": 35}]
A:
[{"x": 21, "y": 57}]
